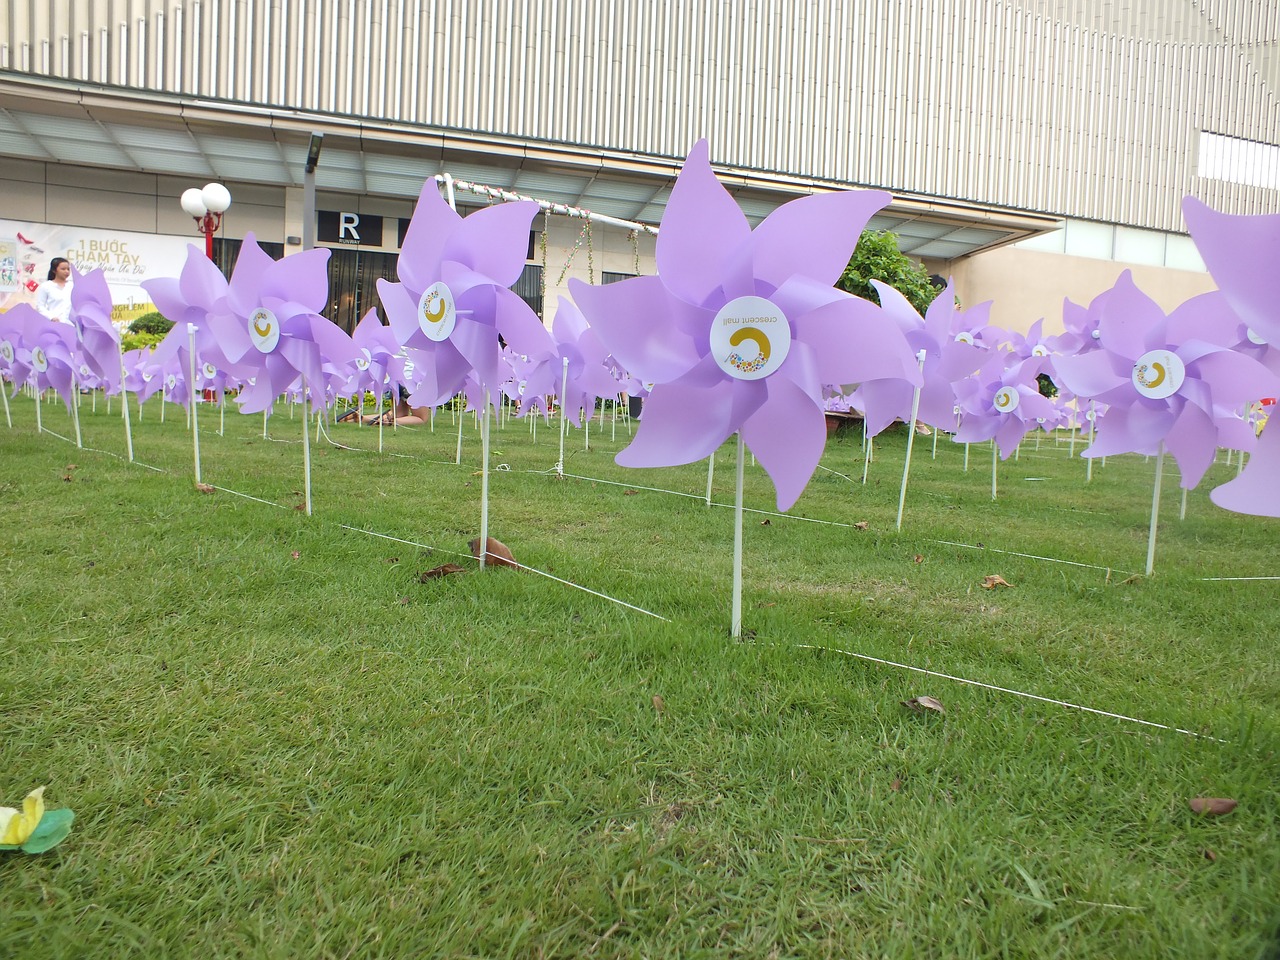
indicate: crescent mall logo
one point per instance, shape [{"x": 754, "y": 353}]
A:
[
  {"x": 1005, "y": 400},
  {"x": 964, "y": 336},
  {"x": 750, "y": 338},
  {"x": 210, "y": 371},
  {"x": 39, "y": 360},
  {"x": 1039, "y": 350},
  {"x": 264, "y": 330},
  {"x": 362, "y": 363},
  {"x": 1158, "y": 374},
  {"x": 171, "y": 381},
  {"x": 437, "y": 312}
]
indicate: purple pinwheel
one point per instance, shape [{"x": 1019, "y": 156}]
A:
[
  {"x": 378, "y": 361},
  {"x": 452, "y": 302},
  {"x": 741, "y": 328},
  {"x": 1254, "y": 491},
  {"x": 588, "y": 378},
  {"x": 1166, "y": 379},
  {"x": 15, "y": 359},
  {"x": 143, "y": 375},
  {"x": 50, "y": 352},
  {"x": 1001, "y": 402},
  {"x": 91, "y": 306},
  {"x": 270, "y": 329},
  {"x": 947, "y": 362}
]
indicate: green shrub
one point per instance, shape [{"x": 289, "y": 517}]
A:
[
  {"x": 133, "y": 341},
  {"x": 153, "y": 322},
  {"x": 877, "y": 257}
]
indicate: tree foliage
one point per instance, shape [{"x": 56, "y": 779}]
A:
[
  {"x": 877, "y": 257},
  {"x": 153, "y": 322}
]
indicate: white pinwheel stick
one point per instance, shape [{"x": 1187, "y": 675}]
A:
[
  {"x": 484, "y": 479},
  {"x": 735, "y": 630},
  {"x": 192, "y": 397},
  {"x": 1155, "y": 510},
  {"x": 564, "y": 391},
  {"x": 911, "y": 435}
]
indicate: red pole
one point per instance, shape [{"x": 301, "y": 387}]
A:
[{"x": 207, "y": 226}]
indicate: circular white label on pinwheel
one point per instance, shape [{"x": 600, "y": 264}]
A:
[
  {"x": 964, "y": 336},
  {"x": 1006, "y": 400},
  {"x": 39, "y": 361},
  {"x": 171, "y": 381},
  {"x": 1158, "y": 374},
  {"x": 210, "y": 371},
  {"x": 1254, "y": 337},
  {"x": 520, "y": 387},
  {"x": 147, "y": 377},
  {"x": 6, "y": 351},
  {"x": 1091, "y": 415},
  {"x": 264, "y": 330},
  {"x": 362, "y": 363},
  {"x": 1039, "y": 350},
  {"x": 84, "y": 370},
  {"x": 1097, "y": 334},
  {"x": 436, "y": 312},
  {"x": 750, "y": 338}
]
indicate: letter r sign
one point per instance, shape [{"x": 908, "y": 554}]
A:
[{"x": 348, "y": 224}]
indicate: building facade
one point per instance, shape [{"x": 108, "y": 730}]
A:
[{"x": 1034, "y": 148}]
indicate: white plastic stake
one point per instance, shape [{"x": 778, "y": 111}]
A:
[
  {"x": 4, "y": 394},
  {"x": 484, "y": 480},
  {"x": 75, "y": 409},
  {"x": 911, "y": 436},
  {"x": 124, "y": 411},
  {"x": 995, "y": 458},
  {"x": 735, "y": 628},
  {"x": 457, "y": 457},
  {"x": 306, "y": 450},
  {"x": 1155, "y": 510},
  {"x": 1182, "y": 511},
  {"x": 564, "y": 388},
  {"x": 1093, "y": 413},
  {"x": 191, "y": 396}
]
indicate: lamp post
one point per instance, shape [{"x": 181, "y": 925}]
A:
[{"x": 207, "y": 207}]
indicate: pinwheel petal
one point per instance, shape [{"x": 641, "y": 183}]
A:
[
  {"x": 1240, "y": 252},
  {"x": 201, "y": 284},
  {"x": 702, "y": 228},
  {"x": 885, "y": 401},
  {"x": 300, "y": 277},
  {"x": 1233, "y": 378},
  {"x": 493, "y": 241},
  {"x": 669, "y": 436},
  {"x": 1090, "y": 374},
  {"x": 813, "y": 236},
  {"x": 1193, "y": 441},
  {"x": 1129, "y": 319},
  {"x": 1255, "y": 491},
  {"x": 520, "y": 326},
  {"x": 634, "y": 319},
  {"x": 477, "y": 344},
  {"x": 853, "y": 340},
  {"x": 787, "y": 435},
  {"x": 247, "y": 276},
  {"x": 402, "y": 312},
  {"x": 432, "y": 224}
]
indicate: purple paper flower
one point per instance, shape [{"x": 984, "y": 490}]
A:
[
  {"x": 741, "y": 328},
  {"x": 1165, "y": 379},
  {"x": 453, "y": 302},
  {"x": 91, "y": 306}
]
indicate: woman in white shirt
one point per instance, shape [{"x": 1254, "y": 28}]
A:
[{"x": 53, "y": 297}]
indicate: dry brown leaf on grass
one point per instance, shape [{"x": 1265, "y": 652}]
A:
[
  {"x": 766, "y": 523},
  {"x": 923, "y": 704},
  {"x": 895, "y": 786},
  {"x": 1212, "y": 806},
  {"x": 992, "y": 580},
  {"x": 204, "y": 487},
  {"x": 659, "y": 704},
  {"x": 1210, "y": 855},
  {"x": 295, "y": 554},
  {"x": 861, "y": 525},
  {"x": 66, "y": 479},
  {"x": 496, "y": 553},
  {"x": 435, "y": 573},
  {"x": 918, "y": 558},
  {"x": 629, "y": 493}
]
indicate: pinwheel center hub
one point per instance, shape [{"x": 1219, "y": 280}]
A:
[
  {"x": 964, "y": 336},
  {"x": 437, "y": 312},
  {"x": 1255, "y": 337},
  {"x": 264, "y": 330},
  {"x": 39, "y": 361},
  {"x": 1158, "y": 374},
  {"x": 171, "y": 381},
  {"x": 1006, "y": 400},
  {"x": 210, "y": 371},
  {"x": 362, "y": 363},
  {"x": 6, "y": 351},
  {"x": 750, "y": 338}
]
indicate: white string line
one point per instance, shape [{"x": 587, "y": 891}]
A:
[
  {"x": 58, "y": 435},
  {"x": 237, "y": 493},
  {"x": 837, "y": 473},
  {"x": 698, "y": 496},
  {"x": 1016, "y": 693},
  {"x": 521, "y": 566},
  {"x": 1032, "y": 556},
  {"x": 1220, "y": 579}
]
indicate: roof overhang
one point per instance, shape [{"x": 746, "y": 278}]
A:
[{"x": 145, "y": 131}]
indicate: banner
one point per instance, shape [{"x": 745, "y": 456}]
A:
[{"x": 125, "y": 258}]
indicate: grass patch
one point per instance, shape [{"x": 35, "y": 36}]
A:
[{"x": 319, "y": 755}]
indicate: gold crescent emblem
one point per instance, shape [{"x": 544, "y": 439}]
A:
[
  {"x": 1002, "y": 399},
  {"x": 1152, "y": 382},
  {"x": 756, "y": 336},
  {"x": 258, "y": 328},
  {"x": 435, "y": 316}
]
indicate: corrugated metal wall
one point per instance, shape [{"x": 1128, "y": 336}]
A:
[{"x": 1080, "y": 108}]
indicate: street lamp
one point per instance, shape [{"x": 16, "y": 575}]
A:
[{"x": 207, "y": 207}]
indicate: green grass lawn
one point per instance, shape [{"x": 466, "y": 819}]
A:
[{"x": 280, "y": 742}]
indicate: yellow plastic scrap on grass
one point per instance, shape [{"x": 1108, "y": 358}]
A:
[
  {"x": 15, "y": 827},
  {"x": 33, "y": 829}
]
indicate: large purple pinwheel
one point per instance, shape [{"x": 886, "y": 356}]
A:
[
  {"x": 740, "y": 329},
  {"x": 573, "y": 361},
  {"x": 1162, "y": 377},
  {"x": 946, "y": 362},
  {"x": 453, "y": 301},
  {"x": 271, "y": 331},
  {"x": 51, "y": 352}
]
